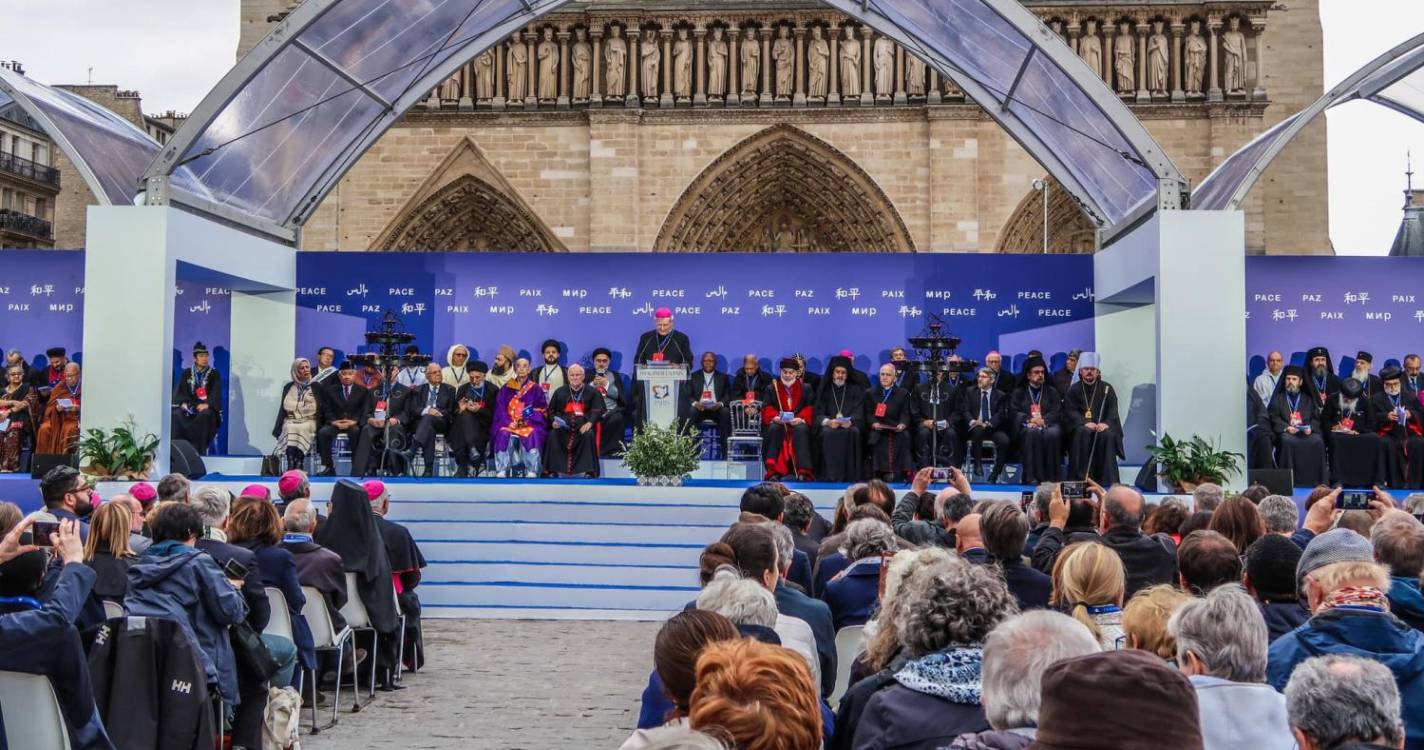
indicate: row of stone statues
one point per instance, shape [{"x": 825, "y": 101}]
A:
[{"x": 1141, "y": 63}]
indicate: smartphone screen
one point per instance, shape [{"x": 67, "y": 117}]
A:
[
  {"x": 234, "y": 570},
  {"x": 1355, "y": 499},
  {"x": 1026, "y": 501},
  {"x": 1073, "y": 490},
  {"x": 41, "y": 531}
]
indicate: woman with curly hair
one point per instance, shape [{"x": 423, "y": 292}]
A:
[
  {"x": 1165, "y": 518},
  {"x": 756, "y": 696},
  {"x": 1144, "y": 620},
  {"x": 949, "y": 610}
]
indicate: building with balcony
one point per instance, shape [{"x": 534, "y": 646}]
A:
[{"x": 29, "y": 179}]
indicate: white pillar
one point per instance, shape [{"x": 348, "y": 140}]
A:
[{"x": 264, "y": 337}]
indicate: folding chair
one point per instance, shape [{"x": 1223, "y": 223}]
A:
[
  {"x": 400, "y": 643},
  {"x": 325, "y": 638},
  {"x": 30, "y": 701},
  {"x": 280, "y": 624},
  {"x": 850, "y": 641},
  {"x": 113, "y": 609},
  {"x": 358, "y": 619},
  {"x": 746, "y": 431}
]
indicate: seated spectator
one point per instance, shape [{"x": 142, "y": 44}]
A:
[
  {"x": 1398, "y": 540},
  {"x": 353, "y": 533},
  {"x": 1344, "y": 702},
  {"x": 800, "y": 516},
  {"x": 1359, "y": 521},
  {"x": 1221, "y": 647},
  {"x": 255, "y": 492},
  {"x": 1144, "y": 620},
  {"x": 292, "y": 485},
  {"x": 173, "y": 488},
  {"x": 1345, "y": 590},
  {"x": 1069, "y": 522},
  {"x": 854, "y": 592},
  {"x": 1414, "y": 505},
  {"x": 255, "y": 526},
  {"x": 767, "y": 501},
  {"x": 1038, "y": 513},
  {"x": 923, "y": 517},
  {"x": 1005, "y": 530},
  {"x": 146, "y": 496},
  {"x": 137, "y": 541},
  {"x": 758, "y": 696},
  {"x": 1199, "y": 521},
  {"x": 948, "y": 613},
  {"x": 1239, "y": 520},
  {"x": 1256, "y": 493},
  {"x": 1206, "y": 560},
  {"x": 1016, "y": 654},
  {"x": 406, "y": 564},
  {"x": 213, "y": 504},
  {"x": 675, "y": 650},
  {"x": 1280, "y": 514},
  {"x": 1134, "y": 700},
  {"x": 1270, "y": 579},
  {"x": 68, "y": 496},
  {"x": 1207, "y": 496},
  {"x": 317, "y": 566},
  {"x": 834, "y": 560},
  {"x": 1166, "y": 517},
  {"x": 1089, "y": 583},
  {"x": 753, "y": 610},
  {"x": 968, "y": 541},
  {"x": 40, "y": 638},
  {"x": 107, "y": 551},
  {"x": 175, "y": 581}
]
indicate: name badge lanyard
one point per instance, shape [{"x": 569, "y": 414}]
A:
[
  {"x": 1320, "y": 385},
  {"x": 200, "y": 377},
  {"x": 1394, "y": 402},
  {"x": 840, "y": 401},
  {"x": 884, "y": 407},
  {"x": 663, "y": 342},
  {"x": 1036, "y": 409},
  {"x": 1295, "y": 408}
]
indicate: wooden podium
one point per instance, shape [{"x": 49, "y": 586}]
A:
[{"x": 661, "y": 384}]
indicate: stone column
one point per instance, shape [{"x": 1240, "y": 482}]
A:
[
  {"x": 900, "y": 96},
  {"x": 1073, "y": 32},
  {"x": 734, "y": 67},
  {"x": 1213, "y": 72},
  {"x": 531, "y": 49},
  {"x": 867, "y": 98},
  {"x": 699, "y": 64},
  {"x": 766, "y": 65},
  {"x": 934, "y": 96},
  {"x": 799, "y": 98},
  {"x": 1143, "y": 28},
  {"x": 566, "y": 75},
  {"x": 1109, "y": 67},
  {"x": 500, "y": 51},
  {"x": 833, "y": 88},
  {"x": 1258, "y": 28},
  {"x": 595, "y": 84},
  {"x": 634, "y": 91},
  {"x": 467, "y": 87},
  {"x": 666, "y": 100},
  {"x": 1178, "y": 29}
]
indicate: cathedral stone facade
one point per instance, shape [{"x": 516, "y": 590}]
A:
[{"x": 711, "y": 126}]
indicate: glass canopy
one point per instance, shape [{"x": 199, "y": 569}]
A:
[{"x": 274, "y": 137}]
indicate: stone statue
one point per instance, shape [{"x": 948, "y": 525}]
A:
[
  {"x": 1090, "y": 48},
  {"x": 1233, "y": 63},
  {"x": 850, "y": 64},
  {"x": 582, "y": 56},
  {"x": 1157, "y": 61},
  {"x": 548, "y": 53},
  {"x": 650, "y": 57},
  {"x": 819, "y": 64},
  {"x": 1123, "y": 59},
  {"x": 717, "y": 64},
  {"x": 783, "y": 51},
  {"x": 914, "y": 75},
  {"x": 784, "y": 238},
  {"x": 682, "y": 66},
  {"x": 514, "y": 74},
  {"x": 450, "y": 89},
  {"x": 1195, "y": 58},
  {"x": 615, "y": 56},
  {"x": 484, "y": 75},
  {"x": 751, "y": 63},
  {"x": 884, "y": 67}
]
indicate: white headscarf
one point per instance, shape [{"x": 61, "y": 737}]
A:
[{"x": 456, "y": 377}]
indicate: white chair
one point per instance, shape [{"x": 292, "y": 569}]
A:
[
  {"x": 325, "y": 638},
  {"x": 35, "y": 720},
  {"x": 850, "y": 641},
  {"x": 358, "y": 619},
  {"x": 280, "y": 623},
  {"x": 400, "y": 644},
  {"x": 113, "y": 609}
]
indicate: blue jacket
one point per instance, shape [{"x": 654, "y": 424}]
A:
[
  {"x": 1364, "y": 633},
  {"x": 1030, "y": 587},
  {"x": 1406, "y": 602},
  {"x": 826, "y": 569},
  {"x": 854, "y": 597},
  {"x": 816, "y": 614},
  {"x": 898, "y": 717},
  {"x": 800, "y": 572},
  {"x": 179, "y": 583},
  {"x": 279, "y": 570},
  {"x": 1282, "y": 617}
]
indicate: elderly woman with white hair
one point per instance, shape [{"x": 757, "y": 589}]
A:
[
  {"x": 854, "y": 592},
  {"x": 1221, "y": 647}
]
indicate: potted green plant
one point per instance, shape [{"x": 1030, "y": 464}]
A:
[
  {"x": 1184, "y": 464},
  {"x": 120, "y": 453},
  {"x": 662, "y": 457}
]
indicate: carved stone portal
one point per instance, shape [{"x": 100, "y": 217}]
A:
[
  {"x": 783, "y": 189},
  {"x": 1070, "y": 231}
]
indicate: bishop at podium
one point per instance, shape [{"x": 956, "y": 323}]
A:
[{"x": 661, "y": 346}]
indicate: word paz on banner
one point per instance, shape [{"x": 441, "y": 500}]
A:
[
  {"x": 1308, "y": 297},
  {"x": 804, "y": 294},
  {"x": 444, "y": 291}
]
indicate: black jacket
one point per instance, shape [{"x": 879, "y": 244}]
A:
[
  {"x": 998, "y": 407},
  {"x": 186, "y": 395},
  {"x": 697, "y": 383},
  {"x": 444, "y": 402},
  {"x": 254, "y": 592},
  {"x": 742, "y": 384},
  {"x": 676, "y": 349},
  {"x": 357, "y": 407},
  {"x": 1147, "y": 560},
  {"x": 1049, "y": 402},
  {"x": 149, "y": 685},
  {"x": 901, "y": 718}
]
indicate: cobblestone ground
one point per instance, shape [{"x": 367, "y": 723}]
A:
[{"x": 507, "y": 685}]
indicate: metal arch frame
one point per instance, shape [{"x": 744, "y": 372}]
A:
[
  {"x": 1170, "y": 191},
  {"x": 96, "y": 187},
  {"x": 1350, "y": 89}
]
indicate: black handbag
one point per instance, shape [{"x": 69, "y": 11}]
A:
[
  {"x": 272, "y": 465},
  {"x": 251, "y": 652}
]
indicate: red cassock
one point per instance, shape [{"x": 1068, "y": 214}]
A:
[{"x": 786, "y": 461}]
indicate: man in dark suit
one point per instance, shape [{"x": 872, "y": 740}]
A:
[
  {"x": 1064, "y": 377},
  {"x": 706, "y": 396},
  {"x": 750, "y": 379},
  {"x": 348, "y": 404},
  {"x": 1004, "y": 530},
  {"x": 984, "y": 410},
  {"x": 1001, "y": 379},
  {"x": 429, "y": 410},
  {"x": 387, "y": 412},
  {"x": 619, "y": 401}
]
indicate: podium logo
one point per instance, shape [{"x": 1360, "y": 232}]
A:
[{"x": 661, "y": 392}]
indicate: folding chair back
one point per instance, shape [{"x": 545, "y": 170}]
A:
[
  {"x": 35, "y": 720},
  {"x": 280, "y": 623},
  {"x": 354, "y": 611}
]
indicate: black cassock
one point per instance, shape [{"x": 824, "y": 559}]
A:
[
  {"x": 470, "y": 431},
  {"x": 570, "y": 451},
  {"x": 1040, "y": 449},
  {"x": 840, "y": 445},
  {"x": 1260, "y": 439},
  {"x": 1093, "y": 454},
  {"x": 198, "y": 427},
  {"x": 1355, "y": 460},
  {"x": 1303, "y": 454},
  {"x": 618, "y": 409},
  {"x": 406, "y": 564},
  {"x": 1402, "y": 446},
  {"x": 889, "y": 449},
  {"x": 938, "y": 403}
]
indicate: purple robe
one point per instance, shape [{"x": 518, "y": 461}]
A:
[{"x": 520, "y": 413}]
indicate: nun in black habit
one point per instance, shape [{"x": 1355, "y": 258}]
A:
[
  {"x": 352, "y": 532},
  {"x": 839, "y": 422}
]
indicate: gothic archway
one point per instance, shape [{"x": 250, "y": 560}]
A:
[
  {"x": 783, "y": 190},
  {"x": 1070, "y": 231}
]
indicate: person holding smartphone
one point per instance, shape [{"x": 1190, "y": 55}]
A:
[{"x": 1399, "y": 420}]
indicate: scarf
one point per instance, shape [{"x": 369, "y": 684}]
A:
[
  {"x": 1356, "y": 597},
  {"x": 954, "y": 674},
  {"x": 168, "y": 548}
]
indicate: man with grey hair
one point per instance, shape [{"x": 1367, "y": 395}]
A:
[
  {"x": 1398, "y": 539},
  {"x": 1414, "y": 505},
  {"x": 1016, "y": 654},
  {"x": 1344, "y": 702},
  {"x": 1147, "y": 560},
  {"x": 212, "y": 504},
  {"x": 173, "y": 488},
  {"x": 1221, "y": 647},
  {"x": 317, "y": 566},
  {"x": 751, "y": 607},
  {"x": 1280, "y": 514},
  {"x": 1207, "y": 496},
  {"x": 1038, "y": 514},
  {"x": 137, "y": 541}
]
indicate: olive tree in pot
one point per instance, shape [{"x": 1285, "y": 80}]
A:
[
  {"x": 1184, "y": 464},
  {"x": 662, "y": 457}
]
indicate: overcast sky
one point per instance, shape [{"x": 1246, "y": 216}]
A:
[{"x": 173, "y": 51}]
